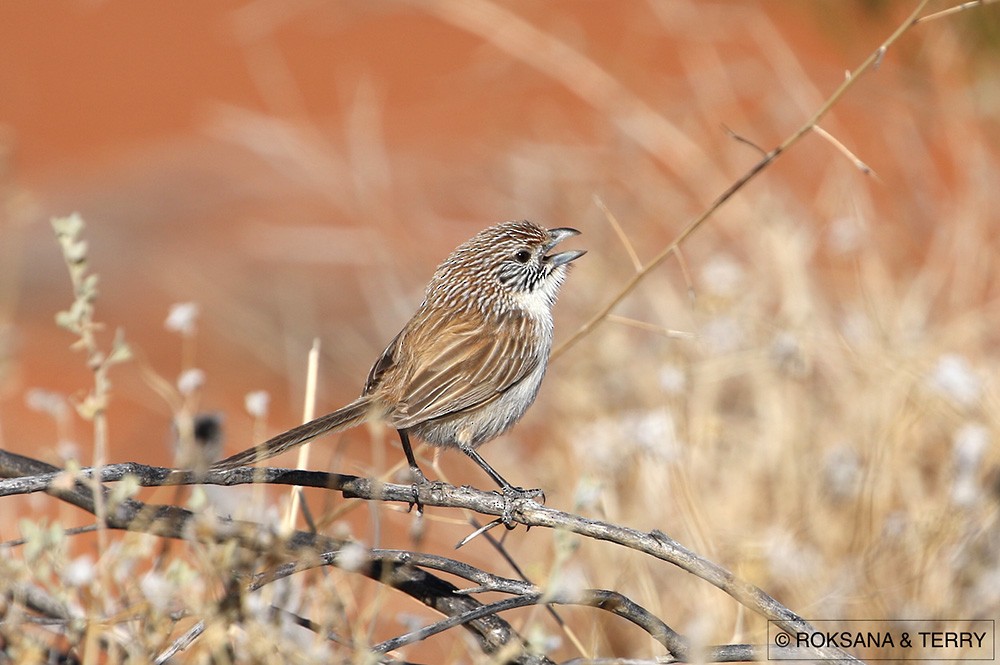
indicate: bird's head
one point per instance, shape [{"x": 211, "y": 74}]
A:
[{"x": 508, "y": 263}]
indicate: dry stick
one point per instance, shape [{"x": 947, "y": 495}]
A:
[
  {"x": 189, "y": 636},
  {"x": 650, "y": 327},
  {"x": 72, "y": 531},
  {"x": 499, "y": 547},
  {"x": 527, "y": 512},
  {"x": 954, "y": 10},
  {"x": 484, "y": 581},
  {"x": 860, "y": 165},
  {"x": 686, "y": 274},
  {"x": 492, "y": 632},
  {"x": 620, "y": 232},
  {"x": 764, "y": 162},
  {"x": 308, "y": 413},
  {"x": 528, "y": 593},
  {"x": 609, "y": 601},
  {"x": 186, "y": 639}
]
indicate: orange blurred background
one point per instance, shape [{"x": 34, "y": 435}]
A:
[{"x": 299, "y": 168}]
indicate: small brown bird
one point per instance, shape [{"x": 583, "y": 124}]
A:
[{"x": 469, "y": 363}]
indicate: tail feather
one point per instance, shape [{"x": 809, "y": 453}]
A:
[{"x": 349, "y": 416}]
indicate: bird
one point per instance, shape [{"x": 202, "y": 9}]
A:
[{"x": 470, "y": 361}]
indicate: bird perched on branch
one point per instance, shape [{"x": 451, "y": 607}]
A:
[{"x": 469, "y": 363}]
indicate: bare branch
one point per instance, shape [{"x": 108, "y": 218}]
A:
[
  {"x": 609, "y": 600},
  {"x": 492, "y": 632},
  {"x": 860, "y": 165},
  {"x": 620, "y": 232},
  {"x": 167, "y": 521},
  {"x": 954, "y": 10},
  {"x": 741, "y": 182}
]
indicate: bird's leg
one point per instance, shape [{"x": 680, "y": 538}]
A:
[
  {"x": 418, "y": 476},
  {"x": 510, "y": 492}
]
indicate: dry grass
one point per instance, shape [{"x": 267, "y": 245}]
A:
[{"x": 810, "y": 399}]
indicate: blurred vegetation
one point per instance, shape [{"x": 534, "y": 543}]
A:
[{"x": 809, "y": 397}]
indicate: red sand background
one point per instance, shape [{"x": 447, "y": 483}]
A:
[
  {"x": 298, "y": 169},
  {"x": 141, "y": 117}
]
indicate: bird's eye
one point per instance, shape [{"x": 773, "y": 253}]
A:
[{"x": 522, "y": 256}]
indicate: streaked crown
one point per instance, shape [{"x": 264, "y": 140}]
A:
[{"x": 503, "y": 264}]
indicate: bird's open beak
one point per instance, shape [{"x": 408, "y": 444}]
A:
[{"x": 562, "y": 258}]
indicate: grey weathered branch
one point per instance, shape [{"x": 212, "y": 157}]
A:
[
  {"x": 525, "y": 511},
  {"x": 492, "y": 632}
]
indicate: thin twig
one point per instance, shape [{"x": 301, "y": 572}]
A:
[
  {"x": 739, "y": 138},
  {"x": 478, "y": 532},
  {"x": 563, "y": 626},
  {"x": 739, "y": 184},
  {"x": 181, "y": 643},
  {"x": 620, "y": 232},
  {"x": 308, "y": 413},
  {"x": 860, "y": 165},
  {"x": 492, "y": 632},
  {"x": 650, "y": 327},
  {"x": 954, "y": 10},
  {"x": 610, "y": 600},
  {"x": 524, "y": 511}
]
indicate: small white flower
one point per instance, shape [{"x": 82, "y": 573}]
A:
[
  {"x": 723, "y": 276},
  {"x": 785, "y": 346},
  {"x": 965, "y": 491},
  {"x": 190, "y": 381},
  {"x": 410, "y": 621},
  {"x": 541, "y": 641},
  {"x": 895, "y": 525},
  {"x": 182, "y": 318},
  {"x": 352, "y": 556},
  {"x": 257, "y": 403},
  {"x": 610, "y": 443},
  {"x": 80, "y": 571},
  {"x": 672, "y": 379},
  {"x": 789, "y": 558},
  {"x": 68, "y": 450},
  {"x": 969, "y": 444},
  {"x": 845, "y": 235},
  {"x": 76, "y": 252},
  {"x": 722, "y": 335},
  {"x": 258, "y": 607},
  {"x": 588, "y": 493},
  {"x": 567, "y": 584},
  {"x": 655, "y": 434},
  {"x": 954, "y": 378},
  {"x": 48, "y": 402},
  {"x": 842, "y": 471},
  {"x": 857, "y": 328},
  {"x": 158, "y": 590}
]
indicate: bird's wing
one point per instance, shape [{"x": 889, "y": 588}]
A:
[
  {"x": 384, "y": 362},
  {"x": 460, "y": 368}
]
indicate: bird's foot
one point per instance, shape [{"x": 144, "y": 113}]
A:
[
  {"x": 513, "y": 494},
  {"x": 419, "y": 480}
]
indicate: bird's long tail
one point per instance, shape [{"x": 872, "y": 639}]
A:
[{"x": 349, "y": 416}]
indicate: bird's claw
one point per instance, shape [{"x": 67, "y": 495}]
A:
[
  {"x": 419, "y": 480},
  {"x": 512, "y": 494},
  {"x": 415, "y": 501}
]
